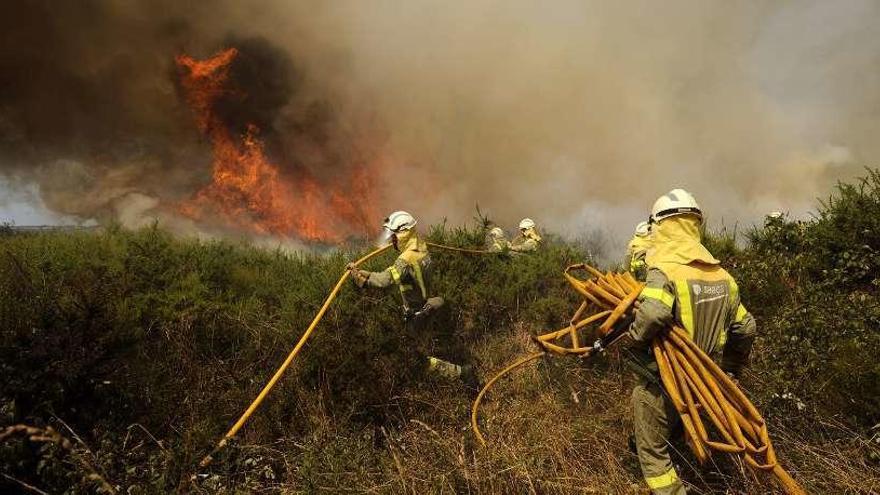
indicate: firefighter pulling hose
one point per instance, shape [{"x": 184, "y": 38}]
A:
[
  {"x": 689, "y": 308},
  {"x": 413, "y": 254}
]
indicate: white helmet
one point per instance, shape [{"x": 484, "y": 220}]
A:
[
  {"x": 643, "y": 229},
  {"x": 526, "y": 223},
  {"x": 398, "y": 221},
  {"x": 774, "y": 214},
  {"x": 675, "y": 202}
]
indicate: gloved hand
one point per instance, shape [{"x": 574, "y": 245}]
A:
[{"x": 359, "y": 277}]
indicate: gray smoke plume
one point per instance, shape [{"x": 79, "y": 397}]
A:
[{"x": 577, "y": 114}]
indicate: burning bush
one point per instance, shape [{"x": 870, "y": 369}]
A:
[{"x": 248, "y": 190}]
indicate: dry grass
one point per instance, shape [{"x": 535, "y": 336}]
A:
[{"x": 556, "y": 427}]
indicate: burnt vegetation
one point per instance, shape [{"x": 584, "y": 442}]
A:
[{"x": 142, "y": 348}]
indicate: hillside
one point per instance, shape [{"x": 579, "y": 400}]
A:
[{"x": 142, "y": 348}]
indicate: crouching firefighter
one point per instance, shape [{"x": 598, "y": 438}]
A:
[
  {"x": 411, "y": 274},
  {"x": 496, "y": 241},
  {"x": 528, "y": 240},
  {"x": 687, "y": 287}
]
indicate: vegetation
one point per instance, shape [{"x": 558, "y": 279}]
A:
[
  {"x": 814, "y": 286},
  {"x": 143, "y": 348}
]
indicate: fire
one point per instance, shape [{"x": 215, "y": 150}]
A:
[{"x": 250, "y": 192}]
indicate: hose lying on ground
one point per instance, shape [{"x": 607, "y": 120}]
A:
[{"x": 696, "y": 385}]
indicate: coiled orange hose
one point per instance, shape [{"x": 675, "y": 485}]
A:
[{"x": 695, "y": 384}]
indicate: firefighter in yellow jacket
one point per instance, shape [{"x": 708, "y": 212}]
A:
[
  {"x": 496, "y": 241},
  {"x": 637, "y": 251},
  {"x": 685, "y": 286},
  {"x": 411, "y": 274},
  {"x": 528, "y": 240}
]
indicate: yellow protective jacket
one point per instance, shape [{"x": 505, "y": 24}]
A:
[
  {"x": 495, "y": 243},
  {"x": 410, "y": 272},
  {"x": 528, "y": 241},
  {"x": 686, "y": 286}
]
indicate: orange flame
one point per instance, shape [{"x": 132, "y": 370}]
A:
[{"x": 250, "y": 192}]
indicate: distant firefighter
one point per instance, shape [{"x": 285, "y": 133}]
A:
[
  {"x": 774, "y": 219},
  {"x": 528, "y": 239},
  {"x": 496, "y": 241},
  {"x": 638, "y": 249}
]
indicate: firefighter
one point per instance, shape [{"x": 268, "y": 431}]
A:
[
  {"x": 774, "y": 220},
  {"x": 638, "y": 249},
  {"x": 496, "y": 241},
  {"x": 410, "y": 273},
  {"x": 528, "y": 239},
  {"x": 685, "y": 286}
]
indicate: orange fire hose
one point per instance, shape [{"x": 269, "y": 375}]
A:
[
  {"x": 516, "y": 364},
  {"x": 696, "y": 386},
  {"x": 302, "y": 340},
  {"x": 461, "y": 249}
]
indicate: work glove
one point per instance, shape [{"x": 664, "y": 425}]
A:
[{"x": 359, "y": 277}]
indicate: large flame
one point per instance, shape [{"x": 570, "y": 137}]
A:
[{"x": 249, "y": 191}]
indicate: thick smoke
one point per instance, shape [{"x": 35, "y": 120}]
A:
[
  {"x": 577, "y": 114},
  {"x": 94, "y": 114}
]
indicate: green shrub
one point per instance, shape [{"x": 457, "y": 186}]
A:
[
  {"x": 116, "y": 328},
  {"x": 150, "y": 346},
  {"x": 813, "y": 287}
]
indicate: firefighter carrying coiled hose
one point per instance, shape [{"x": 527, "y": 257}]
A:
[
  {"x": 687, "y": 310},
  {"x": 685, "y": 287}
]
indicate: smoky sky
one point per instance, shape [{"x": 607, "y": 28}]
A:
[
  {"x": 262, "y": 81},
  {"x": 92, "y": 111},
  {"x": 575, "y": 113}
]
